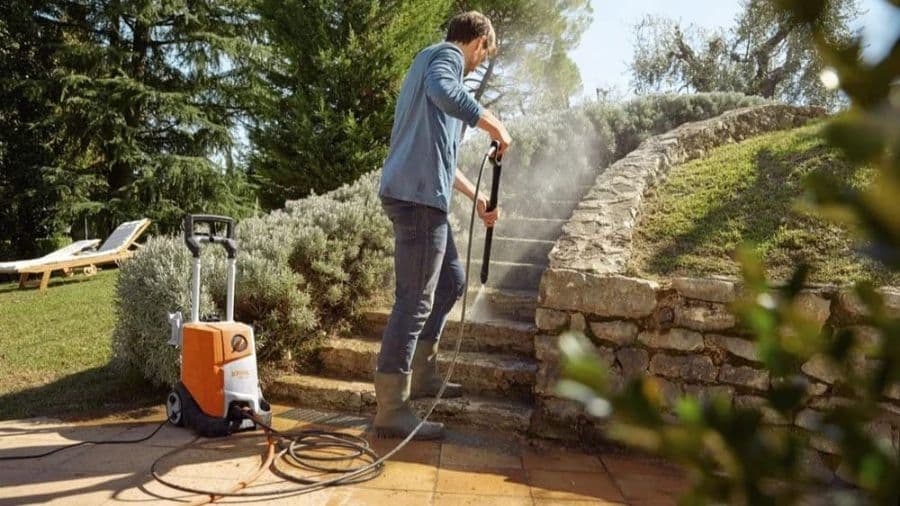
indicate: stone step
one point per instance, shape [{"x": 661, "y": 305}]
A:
[
  {"x": 531, "y": 228},
  {"x": 510, "y": 275},
  {"x": 487, "y": 304},
  {"x": 528, "y": 207},
  {"x": 509, "y": 376},
  {"x": 358, "y": 398},
  {"x": 514, "y": 249},
  {"x": 499, "y": 335}
]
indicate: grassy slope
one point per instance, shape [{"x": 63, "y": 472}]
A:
[
  {"x": 56, "y": 351},
  {"x": 748, "y": 192}
]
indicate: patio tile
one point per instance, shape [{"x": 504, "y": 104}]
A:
[
  {"x": 563, "y": 502},
  {"x": 444, "y": 499},
  {"x": 630, "y": 465},
  {"x": 467, "y": 456},
  {"x": 354, "y": 496},
  {"x": 484, "y": 481},
  {"x": 419, "y": 452},
  {"x": 404, "y": 476},
  {"x": 560, "y": 459},
  {"x": 62, "y": 487},
  {"x": 116, "y": 458},
  {"x": 168, "y": 435},
  {"x": 144, "y": 489},
  {"x": 573, "y": 485}
]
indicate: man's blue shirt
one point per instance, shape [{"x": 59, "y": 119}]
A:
[{"x": 432, "y": 105}]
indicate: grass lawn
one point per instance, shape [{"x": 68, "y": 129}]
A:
[
  {"x": 694, "y": 222},
  {"x": 56, "y": 352}
]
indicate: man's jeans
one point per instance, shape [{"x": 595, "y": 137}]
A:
[{"x": 429, "y": 281}]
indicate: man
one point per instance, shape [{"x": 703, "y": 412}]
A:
[{"x": 416, "y": 192}]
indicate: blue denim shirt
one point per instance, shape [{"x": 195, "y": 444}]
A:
[{"x": 433, "y": 103}]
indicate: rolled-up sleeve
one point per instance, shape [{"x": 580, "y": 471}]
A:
[{"x": 444, "y": 87}]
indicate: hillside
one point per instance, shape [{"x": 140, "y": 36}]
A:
[{"x": 750, "y": 191}]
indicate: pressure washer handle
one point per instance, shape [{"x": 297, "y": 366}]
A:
[
  {"x": 194, "y": 240},
  {"x": 492, "y": 204}
]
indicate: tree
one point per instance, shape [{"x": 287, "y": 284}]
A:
[
  {"x": 531, "y": 71},
  {"x": 147, "y": 94},
  {"x": 763, "y": 54},
  {"x": 332, "y": 85},
  {"x": 27, "y": 218}
]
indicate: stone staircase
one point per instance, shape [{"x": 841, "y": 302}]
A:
[{"x": 497, "y": 365}]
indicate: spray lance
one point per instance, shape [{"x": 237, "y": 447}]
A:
[{"x": 495, "y": 189}]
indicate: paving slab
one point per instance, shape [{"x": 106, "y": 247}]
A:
[{"x": 470, "y": 466}]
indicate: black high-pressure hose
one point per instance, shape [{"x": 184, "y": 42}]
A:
[{"x": 306, "y": 447}]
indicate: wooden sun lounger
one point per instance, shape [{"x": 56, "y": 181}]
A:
[{"x": 115, "y": 249}]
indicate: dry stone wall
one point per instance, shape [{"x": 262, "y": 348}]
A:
[{"x": 679, "y": 331}]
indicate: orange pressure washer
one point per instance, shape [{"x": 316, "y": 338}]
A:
[{"x": 219, "y": 384}]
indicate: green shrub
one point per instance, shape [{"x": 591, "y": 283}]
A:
[
  {"x": 302, "y": 272},
  {"x": 152, "y": 284}
]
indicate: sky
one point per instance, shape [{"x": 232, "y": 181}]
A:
[{"x": 605, "y": 49}]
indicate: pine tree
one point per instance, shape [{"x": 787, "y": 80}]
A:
[
  {"x": 27, "y": 217},
  {"x": 334, "y": 77},
  {"x": 149, "y": 93}
]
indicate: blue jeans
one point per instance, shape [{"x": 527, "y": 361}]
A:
[{"x": 429, "y": 281}]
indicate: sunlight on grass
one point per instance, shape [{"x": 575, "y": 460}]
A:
[
  {"x": 57, "y": 348},
  {"x": 695, "y": 221}
]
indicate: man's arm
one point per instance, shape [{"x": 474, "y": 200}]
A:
[
  {"x": 444, "y": 87},
  {"x": 461, "y": 183}
]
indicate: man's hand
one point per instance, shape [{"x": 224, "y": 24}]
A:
[
  {"x": 490, "y": 124},
  {"x": 488, "y": 217}
]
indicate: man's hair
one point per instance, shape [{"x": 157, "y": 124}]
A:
[{"x": 467, "y": 26}]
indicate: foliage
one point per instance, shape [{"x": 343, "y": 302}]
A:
[
  {"x": 28, "y": 223},
  {"x": 130, "y": 103},
  {"x": 762, "y": 54},
  {"x": 695, "y": 221},
  {"x": 325, "y": 115},
  {"x": 531, "y": 72},
  {"x": 303, "y": 272},
  {"x": 733, "y": 458}
]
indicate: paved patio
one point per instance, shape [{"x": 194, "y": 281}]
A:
[{"x": 466, "y": 468}]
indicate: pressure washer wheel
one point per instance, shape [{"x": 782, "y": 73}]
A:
[{"x": 175, "y": 408}]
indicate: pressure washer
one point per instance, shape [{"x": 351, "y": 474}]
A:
[{"x": 219, "y": 383}]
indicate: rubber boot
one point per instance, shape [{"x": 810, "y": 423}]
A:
[
  {"x": 426, "y": 381},
  {"x": 395, "y": 418}
]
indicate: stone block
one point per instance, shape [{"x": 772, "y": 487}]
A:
[
  {"x": 618, "y": 332},
  {"x": 813, "y": 307},
  {"x": 850, "y": 304},
  {"x": 605, "y": 296},
  {"x": 550, "y": 320},
  {"x": 669, "y": 391},
  {"x": 673, "y": 339},
  {"x": 712, "y": 290},
  {"x": 809, "y": 419},
  {"x": 705, "y": 318},
  {"x": 822, "y": 368},
  {"x": 754, "y": 402},
  {"x": 708, "y": 392},
  {"x": 634, "y": 361},
  {"x": 577, "y": 323},
  {"x": 691, "y": 368},
  {"x": 738, "y": 347},
  {"x": 744, "y": 376}
]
